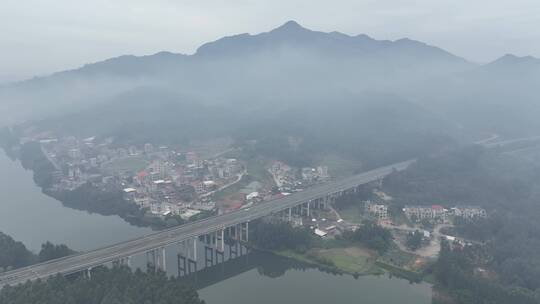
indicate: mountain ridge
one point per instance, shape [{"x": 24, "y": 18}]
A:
[
  {"x": 288, "y": 66},
  {"x": 285, "y": 29}
]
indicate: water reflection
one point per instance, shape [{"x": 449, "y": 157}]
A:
[
  {"x": 30, "y": 216},
  {"x": 262, "y": 278},
  {"x": 258, "y": 277}
]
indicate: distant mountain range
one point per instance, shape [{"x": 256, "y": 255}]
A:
[
  {"x": 288, "y": 59},
  {"x": 258, "y": 78}
]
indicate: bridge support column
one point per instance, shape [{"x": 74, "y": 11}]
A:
[
  {"x": 195, "y": 249},
  {"x": 221, "y": 240},
  {"x": 88, "y": 273},
  {"x": 151, "y": 260},
  {"x": 182, "y": 265},
  {"x": 290, "y": 214},
  {"x": 125, "y": 261},
  {"x": 156, "y": 259},
  {"x": 324, "y": 202},
  {"x": 245, "y": 232},
  {"x": 233, "y": 252},
  {"x": 304, "y": 209},
  {"x": 163, "y": 264},
  {"x": 192, "y": 263},
  {"x": 221, "y": 254},
  {"x": 208, "y": 256},
  {"x": 187, "y": 257},
  {"x": 232, "y": 233}
]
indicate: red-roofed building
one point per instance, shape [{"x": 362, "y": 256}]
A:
[{"x": 142, "y": 177}]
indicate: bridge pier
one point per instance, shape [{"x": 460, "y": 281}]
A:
[
  {"x": 233, "y": 233},
  {"x": 290, "y": 214},
  {"x": 304, "y": 209},
  {"x": 207, "y": 259},
  {"x": 151, "y": 260},
  {"x": 182, "y": 265},
  {"x": 163, "y": 262},
  {"x": 221, "y": 254},
  {"x": 190, "y": 263},
  {"x": 244, "y": 232},
  {"x": 87, "y": 273},
  {"x": 187, "y": 256},
  {"x": 125, "y": 261},
  {"x": 233, "y": 252},
  {"x": 156, "y": 259},
  {"x": 221, "y": 238}
]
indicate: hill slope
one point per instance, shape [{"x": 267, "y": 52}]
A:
[{"x": 271, "y": 67}]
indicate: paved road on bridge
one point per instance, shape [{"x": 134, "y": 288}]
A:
[{"x": 86, "y": 260}]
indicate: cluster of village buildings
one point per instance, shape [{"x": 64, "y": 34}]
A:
[
  {"x": 288, "y": 179},
  {"x": 436, "y": 213},
  {"x": 163, "y": 180},
  {"x": 441, "y": 214}
]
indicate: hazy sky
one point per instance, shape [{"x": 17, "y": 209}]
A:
[{"x": 39, "y": 37}]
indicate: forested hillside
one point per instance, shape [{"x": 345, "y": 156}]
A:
[
  {"x": 508, "y": 188},
  {"x": 14, "y": 254},
  {"x": 107, "y": 286}
]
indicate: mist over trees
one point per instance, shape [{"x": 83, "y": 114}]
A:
[
  {"x": 505, "y": 267},
  {"x": 298, "y": 95},
  {"x": 258, "y": 79}
]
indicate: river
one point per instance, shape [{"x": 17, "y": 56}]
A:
[{"x": 31, "y": 217}]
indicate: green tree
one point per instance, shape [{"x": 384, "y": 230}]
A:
[
  {"x": 373, "y": 236},
  {"x": 414, "y": 240},
  {"x": 49, "y": 251}
]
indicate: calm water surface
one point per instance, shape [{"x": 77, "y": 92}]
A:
[
  {"x": 267, "y": 279},
  {"x": 30, "y": 216}
]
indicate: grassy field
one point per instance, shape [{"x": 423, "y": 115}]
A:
[
  {"x": 351, "y": 259},
  {"x": 130, "y": 163},
  {"x": 246, "y": 179},
  {"x": 398, "y": 258},
  {"x": 352, "y": 213},
  {"x": 358, "y": 260}
]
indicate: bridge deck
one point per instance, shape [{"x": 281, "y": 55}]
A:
[{"x": 85, "y": 260}]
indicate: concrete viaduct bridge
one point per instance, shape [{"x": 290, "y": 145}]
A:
[{"x": 213, "y": 231}]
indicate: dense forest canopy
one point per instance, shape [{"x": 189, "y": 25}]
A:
[
  {"x": 107, "y": 286},
  {"x": 372, "y": 235},
  {"x": 507, "y": 187},
  {"x": 14, "y": 254},
  {"x": 279, "y": 236}
]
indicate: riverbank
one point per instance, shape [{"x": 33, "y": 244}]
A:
[
  {"x": 352, "y": 260},
  {"x": 89, "y": 198},
  {"x": 336, "y": 260}
]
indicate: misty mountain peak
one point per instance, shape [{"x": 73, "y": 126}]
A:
[
  {"x": 289, "y": 26},
  {"x": 512, "y": 61},
  {"x": 511, "y": 58}
]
